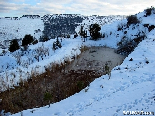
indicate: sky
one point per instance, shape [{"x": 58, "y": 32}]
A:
[{"x": 13, "y": 8}]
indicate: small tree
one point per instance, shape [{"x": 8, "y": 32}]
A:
[
  {"x": 75, "y": 35},
  {"x": 80, "y": 85},
  {"x": 56, "y": 44},
  {"x": 81, "y": 32},
  {"x": 13, "y": 45},
  {"x": 107, "y": 70},
  {"x": 132, "y": 20},
  {"x": 94, "y": 31},
  {"x": 148, "y": 11},
  {"x": 27, "y": 40},
  {"x": 47, "y": 97}
]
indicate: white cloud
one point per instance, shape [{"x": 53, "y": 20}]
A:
[
  {"x": 7, "y": 7},
  {"x": 86, "y": 7},
  {"x": 110, "y": 7},
  {"x": 60, "y": 2}
]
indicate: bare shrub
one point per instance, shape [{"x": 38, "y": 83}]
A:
[
  {"x": 41, "y": 52},
  {"x": 126, "y": 45},
  {"x": 83, "y": 48},
  {"x": 3, "y": 85},
  {"x": 120, "y": 26},
  {"x": 18, "y": 55}
]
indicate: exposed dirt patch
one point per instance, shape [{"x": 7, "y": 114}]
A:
[{"x": 58, "y": 84}]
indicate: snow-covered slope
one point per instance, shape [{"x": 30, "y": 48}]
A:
[
  {"x": 101, "y": 20},
  {"x": 11, "y": 28},
  {"x": 131, "y": 87},
  {"x": 18, "y": 27}
]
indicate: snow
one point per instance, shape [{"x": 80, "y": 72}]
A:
[
  {"x": 20, "y": 27},
  {"x": 102, "y": 21},
  {"x": 11, "y": 71},
  {"x": 130, "y": 89},
  {"x": 131, "y": 86}
]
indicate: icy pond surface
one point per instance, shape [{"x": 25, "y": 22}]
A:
[{"x": 95, "y": 58}]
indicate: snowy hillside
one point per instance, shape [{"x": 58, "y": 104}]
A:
[
  {"x": 48, "y": 25},
  {"x": 101, "y": 20},
  {"x": 131, "y": 86},
  {"x": 23, "y": 63},
  {"x": 64, "y": 24},
  {"x": 11, "y": 28}
]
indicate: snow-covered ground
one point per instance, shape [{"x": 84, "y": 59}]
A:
[
  {"x": 131, "y": 86},
  {"x": 17, "y": 29},
  {"x": 102, "y": 21}
]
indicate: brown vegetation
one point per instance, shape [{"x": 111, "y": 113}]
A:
[{"x": 31, "y": 93}]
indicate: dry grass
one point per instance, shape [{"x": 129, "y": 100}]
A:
[
  {"x": 31, "y": 93},
  {"x": 84, "y": 48}
]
